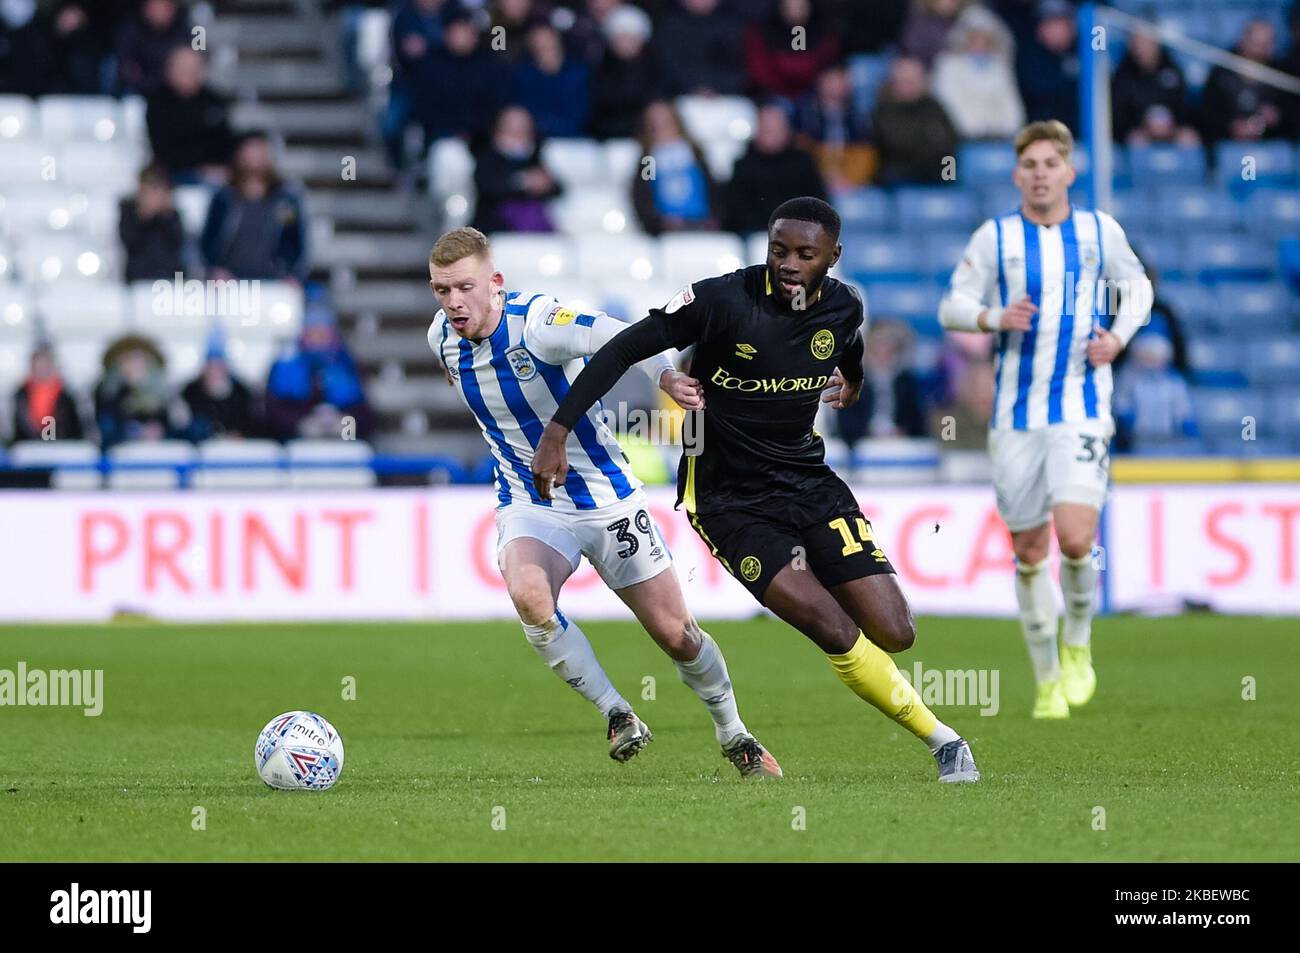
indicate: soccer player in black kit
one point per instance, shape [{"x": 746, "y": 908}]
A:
[{"x": 771, "y": 341}]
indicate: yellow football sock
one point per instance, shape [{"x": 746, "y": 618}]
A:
[{"x": 871, "y": 674}]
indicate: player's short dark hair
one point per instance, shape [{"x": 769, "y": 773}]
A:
[{"x": 808, "y": 209}]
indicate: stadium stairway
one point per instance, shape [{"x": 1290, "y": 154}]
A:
[{"x": 281, "y": 61}]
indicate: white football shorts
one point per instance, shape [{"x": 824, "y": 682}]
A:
[{"x": 1034, "y": 470}]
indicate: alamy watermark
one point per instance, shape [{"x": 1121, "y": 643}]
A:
[
  {"x": 960, "y": 687},
  {"x": 75, "y": 688},
  {"x": 228, "y": 298}
]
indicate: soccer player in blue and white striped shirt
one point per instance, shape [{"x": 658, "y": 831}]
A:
[
  {"x": 512, "y": 355},
  {"x": 1064, "y": 293}
]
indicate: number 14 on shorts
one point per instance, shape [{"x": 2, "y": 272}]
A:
[{"x": 841, "y": 525}]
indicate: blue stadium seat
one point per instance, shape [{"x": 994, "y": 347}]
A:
[
  {"x": 1193, "y": 304},
  {"x": 1217, "y": 257},
  {"x": 872, "y": 256},
  {"x": 985, "y": 163},
  {"x": 1219, "y": 413},
  {"x": 1175, "y": 447},
  {"x": 1273, "y": 212},
  {"x": 1234, "y": 446},
  {"x": 1134, "y": 209},
  {"x": 1186, "y": 208},
  {"x": 866, "y": 209},
  {"x": 1272, "y": 163},
  {"x": 1166, "y": 254},
  {"x": 998, "y": 200},
  {"x": 866, "y": 74},
  {"x": 912, "y": 301},
  {"x": 941, "y": 251},
  {"x": 1284, "y": 410},
  {"x": 1200, "y": 25},
  {"x": 1273, "y": 360},
  {"x": 1254, "y": 306},
  {"x": 926, "y": 207},
  {"x": 1160, "y": 164},
  {"x": 1216, "y": 362}
]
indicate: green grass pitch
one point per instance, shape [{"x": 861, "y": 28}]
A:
[{"x": 454, "y": 722}]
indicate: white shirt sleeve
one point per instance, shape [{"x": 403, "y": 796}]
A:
[
  {"x": 557, "y": 334},
  {"x": 435, "y": 334},
  {"x": 1124, "y": 274},
  {"x": 971, "y": 289}
]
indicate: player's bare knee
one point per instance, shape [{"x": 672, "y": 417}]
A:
[
  {"x": 679, "y": 637},
  {"x": 834, "y": 635},
  {"x": 530, "y": 591},
  {"x": 895, "y": 634},
  {"x": 1075, "y": 545},
  {"x": 1030, "y": 553}
]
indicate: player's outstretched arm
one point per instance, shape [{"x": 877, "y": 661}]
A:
[{"x": 638, "y": 342}]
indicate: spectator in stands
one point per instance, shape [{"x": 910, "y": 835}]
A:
[
  {"x": 188, "y": 125},
  {"x": 133, "y": 400},
  {"x": 513, "y": 18},
  {"x": 868, "y": 34},
  {"x": 144, "y": 42},
  {"x": 912, "y": 130},
  {"x": 892, "y": 404},
  {"x": 458, "y": 88},
  {"x": 513, "y": 186},
  {"x": 43, "y": 407},
  {"x": 962, "y": 422},
  {"x": 151, "y": 230},
  {"x": 75, "y": 50},
  {"x": 316, "y": 391},
  {"x": 1236, "y": 107},
  {"x": 785, "y": 52},
  {"x": 552, "y": 85},
  {"x": 416, "y": 35},
  {"x": 626, "y": 79},
  {"x": 219, "y": 403},
  {"x": 255, "y": 226},
  {"x": 1047, "y": 67},
  {"x": 1149, "y": 96},
  {"x": 925, "y": 32},
  {"x": 771, "y": 171},
  {"x": 675, "y": 192},
  {"x": 585, "y": 34},
  {"x": 697, "y": 51},
  {"x": 1152, "y": 401},
  {"x": 26, "y": 55},
  {"x": 830, "y": 125},
  {"x": 975, "y": 80}
]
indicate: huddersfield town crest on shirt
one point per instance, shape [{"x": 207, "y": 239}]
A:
[{"x": 521, "y": 362}]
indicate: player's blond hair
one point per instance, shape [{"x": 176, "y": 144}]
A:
[
  {"x": 457, "y": 244},
  {"x": 1046, "y": 130}
]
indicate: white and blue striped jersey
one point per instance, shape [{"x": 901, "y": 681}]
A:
[
  {"x": 514, "y": 380},
  {"x": 1080, "y": 273}
]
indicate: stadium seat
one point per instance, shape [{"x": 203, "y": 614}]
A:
[
  {"x": 616, "y": 258},
  {"x": 373, "y": 51},
  {"x": 104, "y": 166},
  {"x": 1216, "y": 362},
  {"x": 18, "y": 118},
  {"x": 867, "y": 209},
  {"x": 539, "y": 257},
  {"x": 985, "y": 163},
  {"x": 1273, "y": 361},
  {"x": 876, "y": 257},
  {"x": 1220, "y": 413},
  {"x": 623, "y": 160},
  {"x": 1160, "y": 164},
  {"x": 1245, "y": 165},
  {"x": 81, "y": 362},
  {"x": 914, "y": 302},
  {"x": 84, "y": 311},
  {"x": 17, "y": 313},
  {"x": 1166, "y": 254},
  {"x": 75, "y": 462},
  {"x": 1181, "y": 209},
  {"x": 60, "y": 257},
  {"x": 239, "y": 464},
  {"x": 87, "y": 118},
  {"x": 1133, "y": 209},
  {"x": 691, "y": 256},
  {"x": 942, "y": 251},
  {"x": 251, "y": 361},
  {"x": 148, "y": 464},
  {"x": 896, "y": 460},
  {"x": 632, "y": 301},
  {"x": 867, "y": 72},
  {"x": 183, "y": 358},
  {"x": 599, "y": 210},
  {"x": 1216, "y": 257},
  {"x": 164, "y": 314},
  {"x": 320, "y": 464},
  {"x": 578, "y": 164},
  {"x": 270, "y": 310},
  {"x": 721, "y": 155},
  {"x": 1273, "y": 212},
  {"x": 30, "y": 162},
  {"x": 192, "y": 203},
  {"x": 46, "y": 208},
  {"x": 451, "y": 171},
  {"x": 15, "y": 354},
  {"x": 925, "y": 207},
  {"x": 6, "y": 256},
  {"x": 715, "y": 117},
  {"x": 1255, "y": 306},
  {"x": 1284, "y": 408},
  {"x": 999, "y": 200}
]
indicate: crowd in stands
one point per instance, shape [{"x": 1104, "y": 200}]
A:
[{"x": 255, "y": 229}]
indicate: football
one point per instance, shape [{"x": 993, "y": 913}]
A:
[{"x": 299, "y": 750}]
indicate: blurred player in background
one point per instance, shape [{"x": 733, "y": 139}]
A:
[
  {"x": 1045, "y": 279},
  {"x": 772, "y": 342},
  {"x": 512, "y": 356}
]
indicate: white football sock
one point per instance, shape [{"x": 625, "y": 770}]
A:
[
  {"x": 564, "y": 647},
  {"x": 707, "y": 676},
  {"x": 1038, "y": 619},
  {"x": 941, "y": 735},
  {"x": 1079, "y": 589}
]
